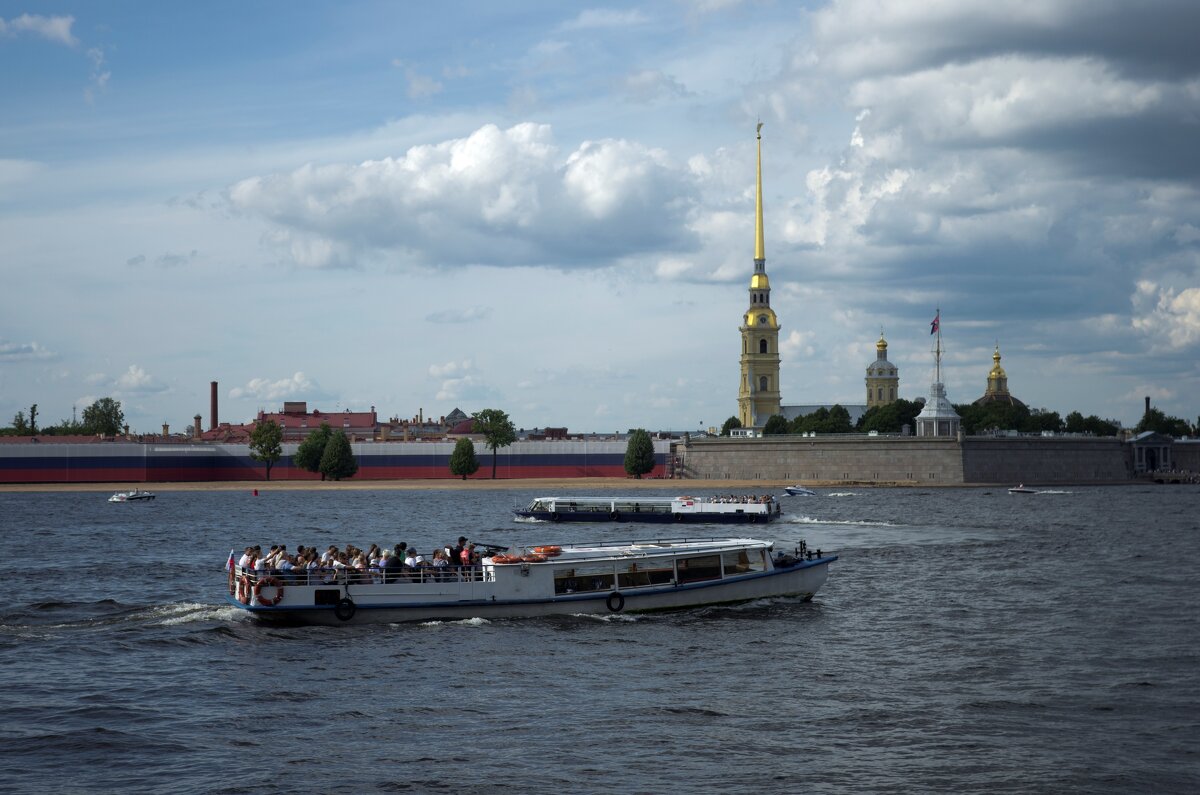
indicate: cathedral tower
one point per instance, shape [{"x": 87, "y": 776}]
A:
[
  {"x": 758, "y": 394},
  {"x": 883, "y": 377}
]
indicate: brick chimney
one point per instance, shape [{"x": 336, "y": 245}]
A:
[
  {"x": 196, "y": 428},
  {"x": 166, "y": 430},
  {"x": 212, "y": 404}
]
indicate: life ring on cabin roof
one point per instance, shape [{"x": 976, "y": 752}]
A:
[
  {"x": 270, "y": 582},
  {"x": 535, "y": 558},
  {"x": 506, "y": 559},
  {"x": 549, "y": 551},
  {"x": 243, "y": 589}
]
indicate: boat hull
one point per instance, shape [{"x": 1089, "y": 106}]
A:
[
  {"x": 379, "y": 604},
  {"x": 649, "y": 518}
]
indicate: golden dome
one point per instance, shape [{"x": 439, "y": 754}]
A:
[
  {"x": 881, "y": 346},
  {"x": 759, "y": 281},
  {"x": 997, "y": 370}
]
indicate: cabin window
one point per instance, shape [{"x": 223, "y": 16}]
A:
[
  {"x": 583, "y": 579},
  {"x": 706, "y": 567},
  {"x": 762, "y": 346},
  {"x": 743, "y": 561},
  {"x": 643, "y": 573}
]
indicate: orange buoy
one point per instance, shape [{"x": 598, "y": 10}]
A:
[
  {"x": 505, "y": 559},
  {"x": 533, "y": 558},
  {"x": 550, "y": 551}
]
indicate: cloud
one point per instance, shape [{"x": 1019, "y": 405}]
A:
[
  {"x": 466, "y": 315},
  {"x": 600, "y": 18},
  {"x": 299, "y": 385},
  {"x": 497, "y": 197},
  {"x": 419, "y": 85},
  {"x": 1171, "y": 318},
  {"x": 136, "y": 381},
  {"x": 24, "y": 351},
  {"x": 647, "y": 86},
  {"x": 55, "y": 29},
  {"x": 460, "y": 382}
]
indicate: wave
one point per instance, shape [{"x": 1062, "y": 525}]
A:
[
  {"x": 842, "y": 494},
  {"x": 189, "y": 612}
]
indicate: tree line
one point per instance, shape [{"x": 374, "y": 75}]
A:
[
  {"x": 104, "y": 417},
  {"x": 892, "y": 417}
]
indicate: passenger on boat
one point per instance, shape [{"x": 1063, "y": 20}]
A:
[
  {"x": 440, "y": 565},
  {"x": 457, "y": 551}
]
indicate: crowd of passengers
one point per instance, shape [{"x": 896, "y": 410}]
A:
[
  {"x": 401, "y": 563},
  {"x": 744, "y": 498}
]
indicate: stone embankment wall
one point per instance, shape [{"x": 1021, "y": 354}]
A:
[
  {"x": 905, "y": 460},
  {"x": 870, "y": 459}
]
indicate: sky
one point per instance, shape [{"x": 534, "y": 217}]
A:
[{"x": 548, "y": 208}]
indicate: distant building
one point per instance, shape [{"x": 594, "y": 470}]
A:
[
  {"x": 298, "y": 422},
  {"x": 883, "y": 377},
  {"x": 938, "y": 418},
  {"x": 997, "y": 385}
]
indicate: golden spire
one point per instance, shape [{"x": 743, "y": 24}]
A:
[{"x": 759, "y": 249}]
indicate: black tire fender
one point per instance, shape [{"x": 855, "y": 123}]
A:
[
  {"x": 615, "y": 602},
  {"x": 345, "y": 609}
]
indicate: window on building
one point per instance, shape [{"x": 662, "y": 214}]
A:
[
  {"x": 762, "y": 346},
  {"x": 762, "y": 384}
]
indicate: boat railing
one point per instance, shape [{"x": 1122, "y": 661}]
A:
[{"x": 334, "y": 577}]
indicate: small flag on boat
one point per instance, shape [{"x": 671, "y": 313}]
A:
[
  {"x": 933, "y": 326},
  {"x": 229, "y": 563}
]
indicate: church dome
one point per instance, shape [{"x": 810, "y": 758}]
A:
[
  {"x": 761, "y": 316},
  {"x": 759, "y": 281},
  {"x": 997, "y": 370}
]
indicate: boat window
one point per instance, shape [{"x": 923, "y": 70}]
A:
[
  {"x": 638, "y": 575},
  {"x": 582, "y": 579},
  {"x": 706, "y": 567},
  {"x": 743, "y": 561}
]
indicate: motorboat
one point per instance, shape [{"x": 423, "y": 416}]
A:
[
  {"x": 136, "y": 495},
  {"x": 799, "y": 491},
  {"x": 568, "y": 579},
  {"x": 1022, "y": 489},
  {"x": 709, "y": 510}
]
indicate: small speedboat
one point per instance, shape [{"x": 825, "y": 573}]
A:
[
  {"x": 1022, "y": 489},
  {"x": 137, "y": 495},
  {"x": 799, "y": 491}
]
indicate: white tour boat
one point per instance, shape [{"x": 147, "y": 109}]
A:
[
  {"x": 707, "y": 510},
  {"x": 571, "y": 579},
  {"x": 136, "y": 495}
]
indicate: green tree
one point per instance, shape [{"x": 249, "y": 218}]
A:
[
  {"x": 777, "y": 425},
  {"x": 639, "y": 454},
  {"x": 1155, "y": 420},
  {"x": 337, "y": 461},
  {"x": 33, "y": 428},
  {"x": 730, "y": 424},
  {"x": 463, "y": 461},
  {"x": 266, "y": 443},
  {"x": 890, "y": 417},
  {"x": 309, "y": 453},
  {"x": 104, "y": 417},
  {"x": 20, "y": 425},
  {"x": 497, "y": 430},
  {"x": 835, "y": 419}
]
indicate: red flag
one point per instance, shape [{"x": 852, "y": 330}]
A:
[{"x": 933, "y": 327}]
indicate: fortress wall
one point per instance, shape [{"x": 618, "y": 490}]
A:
[
  {"x": 1185, "y": 455},
  {"x": 1054, "y": 459},
  {"x": 870, "y": 459}
]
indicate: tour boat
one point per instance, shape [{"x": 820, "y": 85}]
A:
[
  {"x": 131, "y": 496},
  {"x": 571, "y": 579},
  {"x": 799, "y": 491},
  {"x": 716, "y": 510}
]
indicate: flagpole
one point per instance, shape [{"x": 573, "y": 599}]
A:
[{"x": 938, "y": 356}]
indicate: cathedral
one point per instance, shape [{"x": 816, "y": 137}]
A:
[
  {"x": 997, "y": 385},
  {"x": 759, "y": 394}
]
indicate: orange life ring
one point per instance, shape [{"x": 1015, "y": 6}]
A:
[
  {"x": 550, "y": 551},
  {"x": 505, "y": 559},
  {"x": 243, "y": 590},
  {"x": 270, "y": 582},
  {"x": 533, "y": 558}
]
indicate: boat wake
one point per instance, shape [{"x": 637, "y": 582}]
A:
[
  {"x": 842, "y": 494},
  {"x": 190, "y": 612},
  {"x": 529, "y": 520},
  {"x": 852, "y": 522}
]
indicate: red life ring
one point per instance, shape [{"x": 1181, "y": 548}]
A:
[
  {"x": 243, "y": 589},
  {"x": 268, "y": 581},
  {"x": 535, "y": 558},
  {"x": 506, "y": 559},
  {"x": 548, "y": 551}
]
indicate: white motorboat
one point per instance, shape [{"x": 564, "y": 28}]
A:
[
  {"x": 136, "y": 495},
  {"x": 799, "y": 491},
  {"x": 571, "y": 579},
  {"x": 1022, "y": 489}
]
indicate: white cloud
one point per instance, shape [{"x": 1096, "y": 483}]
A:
[
  {"x": 466, "y": 315},
  {"x": 450, "y": 369},
  {"x": 597, "y": 18},
  {"x": 461, "y": 382},
  {"x": 136, "y": 381},
  {"x": 419, "y": 85},
  {"x": 298, "y": 385},
  {"x": 497, "y": 197},
  {"x": 55, "y": 29},
  {"x": 1170, "y": 317},
  {"x": 23, "y": 351},
  {"x": 648, "y": 85}
]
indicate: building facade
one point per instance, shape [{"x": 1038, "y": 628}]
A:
[{"x": 883, "y": 377}]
